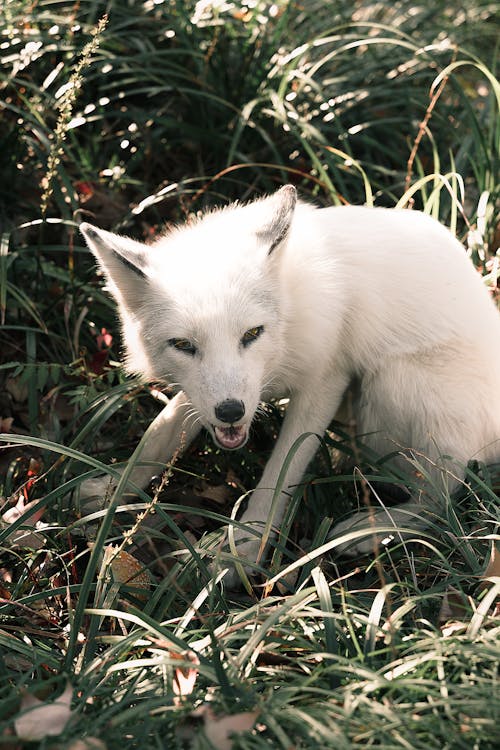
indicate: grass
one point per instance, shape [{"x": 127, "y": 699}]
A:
[{"x": 141, "y": 117}]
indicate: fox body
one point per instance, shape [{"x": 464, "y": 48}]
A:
[{"x": 278, "y": 298}]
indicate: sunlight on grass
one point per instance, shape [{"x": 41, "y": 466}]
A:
[{"x": 116, "y": 624}]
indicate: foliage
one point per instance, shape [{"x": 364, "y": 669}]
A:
[{"x": 135, "y": 114}]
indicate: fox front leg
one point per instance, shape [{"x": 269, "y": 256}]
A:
[
  {"x": 171, "y": 430},
  {"x": 308, "y": 416}
]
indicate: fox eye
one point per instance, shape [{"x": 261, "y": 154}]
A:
[
  {"x": 251, "y": 335},
  {"x": 183, "y": 345}
]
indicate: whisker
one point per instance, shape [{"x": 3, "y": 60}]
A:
[
  {"x": 193, "y": 414},
  {"x": 261, "y": 410},
  {"x": 192, "y": 417}
]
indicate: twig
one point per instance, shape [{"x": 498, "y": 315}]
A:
[{"x": 423, "y": 126}]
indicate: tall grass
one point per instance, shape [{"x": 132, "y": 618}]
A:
[{"x": 165, "y": 109}]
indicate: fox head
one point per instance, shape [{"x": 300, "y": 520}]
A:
[{"x": 200, "y": 308}]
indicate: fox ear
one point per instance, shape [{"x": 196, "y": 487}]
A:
[
  {"x": 283, "y": 204},
  {"x": 124, "y": 261}
]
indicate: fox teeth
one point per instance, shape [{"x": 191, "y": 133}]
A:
[{"x": 231, "y": 437}]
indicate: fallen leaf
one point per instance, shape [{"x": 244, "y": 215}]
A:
[
  {"x": 493, "y": 571},
  {"x": 22, "y": 508},
  {"x": 451, "y": 628},
  {"x": 220, "y": 493},
  {"x": 17, "y": 388},
  {"x": 38, "y": 719},
  {"x": 286, "y": 583},
  {"x": 241, "y": 15},
  {"x": 185, "y": 677},
  {"x": 454, "y": 606},
  {"x": 24, "y": 537},
  {"x": 127, "y": 569},
  {"x": 6, "y": 424},
  {"x": 33, "y": 472},
  {"x": 7, "y": 740},
  {"x": 88, "y": 743},
  {"x": 219, "y": 729},
  {"x": 17, "y": 663},
  {"x": 493, "y": 567}
]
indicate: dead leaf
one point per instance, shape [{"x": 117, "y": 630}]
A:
[
  {"x": 24, "y": 537},
  {"x": 127, "y": 569},
  {"x": 38, "y": 719},
  {"x": 286, "y": 583},
  {"x": 451, "y": 628},
  {"x": 22, "y": 508},
  {"x": 7, "y": 740},
  {"x": 17, "y": 388},
  {"x": 241, "y": 15},
  {"x": 493, "y": 571},
  {"x": 6, "y": 424},
  {"x": 219, "y": 729},
  {"x": 33, "y": 472},
  {"x": 88, "y": 743},
  {"x": 493, "y": 567},
  {"x": 5, "y": 577},
  {"x": 220, "y": 494},
  {"x": 454, "y": 606},
  {"x": 17, "y": 663},
  {"x": 185, "y": 677}
]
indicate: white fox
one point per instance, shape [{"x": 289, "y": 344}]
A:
[{"x": 278, "y": 298}]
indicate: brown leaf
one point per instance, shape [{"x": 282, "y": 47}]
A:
[
  {"x": 17, "y": 388},
  {"x": 22, "y": 508},
  {"x": 493, "y": 567},
  {"x": 38, "y": 719},
  {"x": 219, "y": 729},
  {"x": 185, "y": 677},
  {"x": 88, "y": 743},
  {"x": 127, "y": 569},
  {"x": 286, "y": 583},
  {"x": 22, "y": 537},
  {"x": 493, "y": 571},
  {"x": 454, "y": 606},
  {"x": 7, "y": 740},
  {"x": 220, "y": 494},
  {"x": 6, "y": 424}
]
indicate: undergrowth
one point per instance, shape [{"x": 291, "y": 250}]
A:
[{"x": 133, "y": 115}]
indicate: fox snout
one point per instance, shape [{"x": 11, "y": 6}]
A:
[{"x": 230, "y": 410}]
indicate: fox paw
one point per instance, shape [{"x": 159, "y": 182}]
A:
[
  {"x": 367, "y": 533},
  {"x": 363, "y": 534},
  {"x": 247, "y": 551}
]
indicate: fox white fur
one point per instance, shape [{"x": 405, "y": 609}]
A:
[{"x": 278, "y": 298}]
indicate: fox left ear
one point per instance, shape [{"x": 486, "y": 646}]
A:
[
  {"x": 283, "y": 204},
  {"x": 124, "y": 262}
]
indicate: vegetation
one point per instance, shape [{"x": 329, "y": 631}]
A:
[{"x": 114, "y": 632}]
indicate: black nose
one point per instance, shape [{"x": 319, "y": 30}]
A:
[{"x": 230, "y": 410}]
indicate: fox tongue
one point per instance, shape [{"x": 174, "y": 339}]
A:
[{"x": 231, "y": 437}]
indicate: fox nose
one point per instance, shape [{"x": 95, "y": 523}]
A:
[{"x": 230, "y": 410}]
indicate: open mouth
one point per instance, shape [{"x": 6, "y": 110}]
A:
[{"x": 231, "y": 437}]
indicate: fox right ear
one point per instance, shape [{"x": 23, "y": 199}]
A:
[
  {"x": 124, "y": 262},
  {"x": 282, "y": 205}
]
